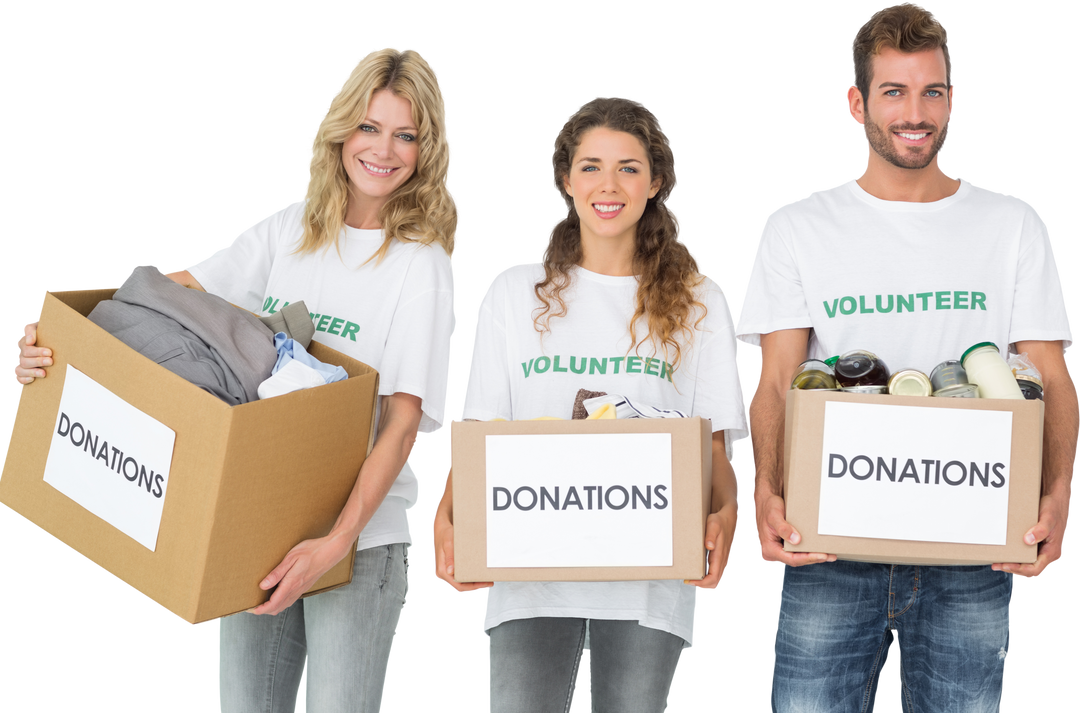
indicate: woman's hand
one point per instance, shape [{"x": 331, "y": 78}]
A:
[
  {"x": 31, "y": 357},
  {"x": 300, "y": 569},
  {"x": 719, "y": 532},
  {"x": 444, "y": 543},
  {"x": 444, "y": 562}
]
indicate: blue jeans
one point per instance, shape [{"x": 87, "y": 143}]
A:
[
  {"x": 837, "y": 621},
  {"x": 345, "y": 634},
  {"x": 534, "y": 664}
]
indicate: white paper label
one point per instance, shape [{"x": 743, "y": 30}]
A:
[
  {"x": 579, "y": 500},
  {"x": 110, "y": 457},
  {"x": 915, "y": 473}
]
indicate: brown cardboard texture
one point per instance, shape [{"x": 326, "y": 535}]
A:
[
  {"x": 804, "y": 433},
  {"x": 691, "y": 494},
  {"x": 246, "y": 483}
]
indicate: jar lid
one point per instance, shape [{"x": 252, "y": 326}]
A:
[
  {"x": 973, "y": 348},
  {"x": 910, "y": 382},
  {"x": 831, "y": 361}
]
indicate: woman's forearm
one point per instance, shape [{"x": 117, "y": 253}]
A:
[{"x": 397, "y": 433}]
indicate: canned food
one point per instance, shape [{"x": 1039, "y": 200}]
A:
[
  {"x": 866, "y": 389},
  {"x": 986, "y": 368},
  {"x": 909, "y": 382},
  {"x": 946, "y": 374},
  {"x": 960, "y": 391},
  {"x": 861, "y": 368},
  {"x": 814, "y": 375},
  {"x": 1030, "y": 387}
]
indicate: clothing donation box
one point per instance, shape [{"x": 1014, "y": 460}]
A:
[
  {"x": 564, "y": 501},
  {"x": 188, "y": 499},
  {"x": 911, "y": 479}
]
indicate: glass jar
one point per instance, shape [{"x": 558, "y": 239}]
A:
[
  {"x": 860, "y": 369},
  {"x": 985, "y": 367},
  {"x": 814, "y": 375}
]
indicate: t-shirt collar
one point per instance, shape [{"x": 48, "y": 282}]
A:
[
  {"x": 907, "y": 206},
  {"x": 605, "y": 279}
]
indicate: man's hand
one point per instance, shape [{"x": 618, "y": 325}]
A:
[
  {"x": 773, "y": 530},
  {"x": 1048, "y": 532}
]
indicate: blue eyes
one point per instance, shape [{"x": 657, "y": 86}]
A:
[
  {"x": 369, "y": 129},
  {"x": 590, "y": 169},
  {"x": 932, "y": 93}
]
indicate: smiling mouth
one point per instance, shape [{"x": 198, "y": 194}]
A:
[
  {"x": 912, "y": 135},
  {"x": 608, "y": 210},
  {"x": 377, "y": 170}
]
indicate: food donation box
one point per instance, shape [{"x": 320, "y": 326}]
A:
[
  {"x": 912, "y": 480},
  {"x": 188, "y": 499},
  {"x": 602, "y": 500}
]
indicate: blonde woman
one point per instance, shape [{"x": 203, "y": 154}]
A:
[
  {"x": 615, "y": 281},
  {"x": 369, "y": 253}
]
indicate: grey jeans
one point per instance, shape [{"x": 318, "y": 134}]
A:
[
  {"x": 345, "y": 634},
  {"x": 534, "y": 663}
]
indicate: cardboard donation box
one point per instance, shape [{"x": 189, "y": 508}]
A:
[
  {"x": 189, "y": 500},
  {"x": 911, "y": 479},
  {"x": 560, "y": 501}
]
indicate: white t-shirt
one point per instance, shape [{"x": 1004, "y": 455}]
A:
[
  {"x": 395, "y": 316},
  {"x": 517, "y": 374},
  {"x": 914, "y": 283}
]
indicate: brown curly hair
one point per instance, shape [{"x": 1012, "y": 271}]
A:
[{"x": 667, "y": 273}]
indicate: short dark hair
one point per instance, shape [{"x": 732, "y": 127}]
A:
[{"x": 907, "y": 28}]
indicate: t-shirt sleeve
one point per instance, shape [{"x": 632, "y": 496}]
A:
[
  {"x": 488, "y": 395},
  {"x": 717, "y": 391},
  {"x": 416, "y": 357},
  {"x": 240, "y": 272},
  {"x": 774, "y": 296},
  {"x": 1038, "y": 305}
]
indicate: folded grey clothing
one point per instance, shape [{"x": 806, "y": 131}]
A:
[
  {"x": 294, "y": 320},
  {"x": 196, "y": 335}
]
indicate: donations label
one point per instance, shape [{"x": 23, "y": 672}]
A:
[
  {"x": 579, "y": 500},
  {"x": 110, "y": 457},
  {"x": 914, "y": 473}
]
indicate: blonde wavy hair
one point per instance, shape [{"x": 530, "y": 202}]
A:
[
  {"x": 668, "y": 276},
  {"x": 421, "y": 210}
]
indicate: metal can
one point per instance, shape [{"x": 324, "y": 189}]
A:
[
  {"x": 910, "y": 382},
  {"x": 1030, "y": 387},
  {"x": 960, "y": 391},
  {"x": 946, "y": 374},
  {"x": 866, "y": 389},
  {"x": 814, "y": 375}
]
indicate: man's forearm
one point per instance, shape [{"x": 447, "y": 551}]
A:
[
  {"x": 767, "y": 414},
  {"x": 1060, "y": 427}
]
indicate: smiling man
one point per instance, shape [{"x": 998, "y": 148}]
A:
[{"x": 916, "y": 267}]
